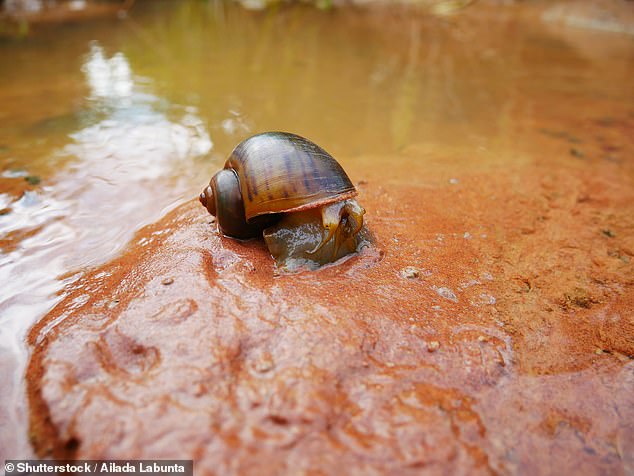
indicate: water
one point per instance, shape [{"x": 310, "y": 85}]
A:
[{"x": 116, "y": 121}]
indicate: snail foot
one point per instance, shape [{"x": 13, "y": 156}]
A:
[{"x": 298, "y": 240}]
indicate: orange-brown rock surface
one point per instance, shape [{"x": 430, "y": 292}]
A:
[{"x": 489, "y": 330}]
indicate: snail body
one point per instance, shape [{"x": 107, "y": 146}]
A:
[{"x": 292, "y": 190}]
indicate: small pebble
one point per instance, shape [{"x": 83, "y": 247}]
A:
[
  {"x": 433, "y": 346},
  {"x": 167, "y": 281},
  {"x": 447, "y": 294},
  {"x": 410, "y": 272},
  {"x": 264, "y": 363}
]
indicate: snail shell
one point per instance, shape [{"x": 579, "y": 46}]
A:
[{"x": 273, "y": 174}]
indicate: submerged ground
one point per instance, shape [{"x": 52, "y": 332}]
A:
[{"x": 489, "y": 329}]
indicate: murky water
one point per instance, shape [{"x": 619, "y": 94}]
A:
[{"x": 108, "y": 124}]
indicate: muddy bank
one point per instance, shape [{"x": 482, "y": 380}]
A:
[{"x": 489, "y": 331}]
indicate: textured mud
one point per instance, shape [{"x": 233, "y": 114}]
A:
[{"x": 490, "y": 330}]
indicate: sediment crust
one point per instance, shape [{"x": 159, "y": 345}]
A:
[{"x": 489, "y": 330}]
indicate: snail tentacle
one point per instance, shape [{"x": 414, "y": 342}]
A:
[
  {"x": 355, "y": 212},
  {"x": 331, "y": 216}
]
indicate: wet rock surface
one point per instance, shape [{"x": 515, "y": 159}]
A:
[{"x": 489, "y": 330}]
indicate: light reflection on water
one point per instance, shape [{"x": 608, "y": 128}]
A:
[{"x": 109, "y": 79}]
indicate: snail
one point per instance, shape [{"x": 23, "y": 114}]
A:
[{"x": 293, "y": 193}]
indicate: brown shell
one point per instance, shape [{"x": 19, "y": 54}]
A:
[{"x": 282, "y": 172}]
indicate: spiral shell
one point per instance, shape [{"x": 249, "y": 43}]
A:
[
  {"x": 292, "y": 190},
  {"x": 281, "y": 172}
]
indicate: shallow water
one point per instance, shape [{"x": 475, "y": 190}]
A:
[{"x": 116, "y": 121}]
